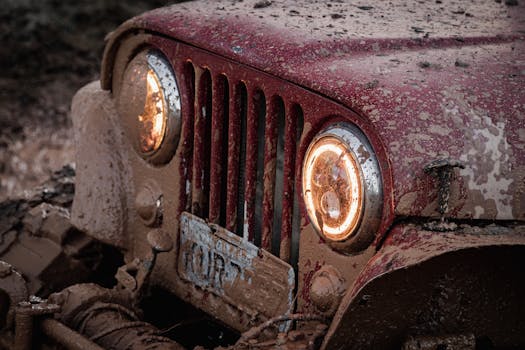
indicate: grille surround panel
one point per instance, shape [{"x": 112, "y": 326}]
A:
[
  {"x": 307, "y": 109},
  {"x": 252, "y": 126}
]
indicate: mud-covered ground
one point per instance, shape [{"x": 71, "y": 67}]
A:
[{"x": 49, "y": 49}]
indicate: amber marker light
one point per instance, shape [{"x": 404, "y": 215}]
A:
[{"x": 332, "y": 188}]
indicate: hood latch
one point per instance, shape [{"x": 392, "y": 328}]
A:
[{"x": 442, "y": 169}]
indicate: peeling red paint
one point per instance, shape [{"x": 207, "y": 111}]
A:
[{"x": 307, "y": 278}]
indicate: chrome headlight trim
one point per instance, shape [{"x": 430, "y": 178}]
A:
[
  {"x": 130, "y": 102},
  {"x": 371, "y": 185}
]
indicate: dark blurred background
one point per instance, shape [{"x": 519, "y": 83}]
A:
[{"x": 48, "y": 50}]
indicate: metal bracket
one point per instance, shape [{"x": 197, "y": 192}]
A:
[{"x": 133, "y": 276}]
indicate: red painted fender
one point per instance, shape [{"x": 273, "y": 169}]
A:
[{"x": 436, "y": 283}]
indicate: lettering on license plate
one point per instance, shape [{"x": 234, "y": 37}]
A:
[
  {"x": 223, "y": 263},
  {"x": 209, "y": 260}
]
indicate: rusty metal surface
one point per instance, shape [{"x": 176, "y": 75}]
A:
[
  {"x": 428, "y": 283},
  {"x": 461, "y": 73}
]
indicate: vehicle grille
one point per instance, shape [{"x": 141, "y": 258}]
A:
[{"x": 240, "y": 142}]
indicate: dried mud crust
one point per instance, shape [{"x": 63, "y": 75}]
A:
[{"x": 49, "y": 50}]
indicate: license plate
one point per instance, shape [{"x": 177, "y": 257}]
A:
[{"x": 225, "y": 264}]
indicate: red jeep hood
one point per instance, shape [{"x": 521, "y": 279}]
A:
[{"x": 435, "y": 79}]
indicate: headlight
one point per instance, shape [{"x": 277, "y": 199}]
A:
[
  {"x": 149, "y": 105},
  {"x": 342, "y": 186}
]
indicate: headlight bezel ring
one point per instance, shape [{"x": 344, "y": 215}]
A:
[
  {"x": 371, "y": 202},
  {"x": 145, "y": 62}
]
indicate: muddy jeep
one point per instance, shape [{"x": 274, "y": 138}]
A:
[{"x": 307, "y": 174}]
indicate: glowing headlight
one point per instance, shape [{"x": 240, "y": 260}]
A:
[
  {"x": 149, "y": 104},
  {"x": 153, "y": 119},
  {"x": 341, "y": 183}
]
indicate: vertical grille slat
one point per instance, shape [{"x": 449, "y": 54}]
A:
[
  {"x": 201, "y": 144},
  {"x": 260, "y": 106},
  {"x": 250, "y": 166},
  {"x": 236, "y": 137},
  {"x": 242, "y": 183},
  {"x": 233, "y": 157},
  {"x": 219, "y": 139},
  {"x": 296, "y": 219},
  {"x": 290, "y": 149},
  {"x": 188, "y": 99},
  {"x": 270, "y": 150},
  {"x": 225, "y": 149},
  {"x": 240, "y": 144},
  {"x": 279, "y": 177}
]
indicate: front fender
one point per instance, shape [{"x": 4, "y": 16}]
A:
[
  {"x": 103, "y": 172},
  {"x": 421, "y": 282}
]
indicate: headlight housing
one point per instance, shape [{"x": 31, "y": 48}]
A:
[
  {"x": 341, "y": 186},
  {"x": 149, "y": 106}
]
